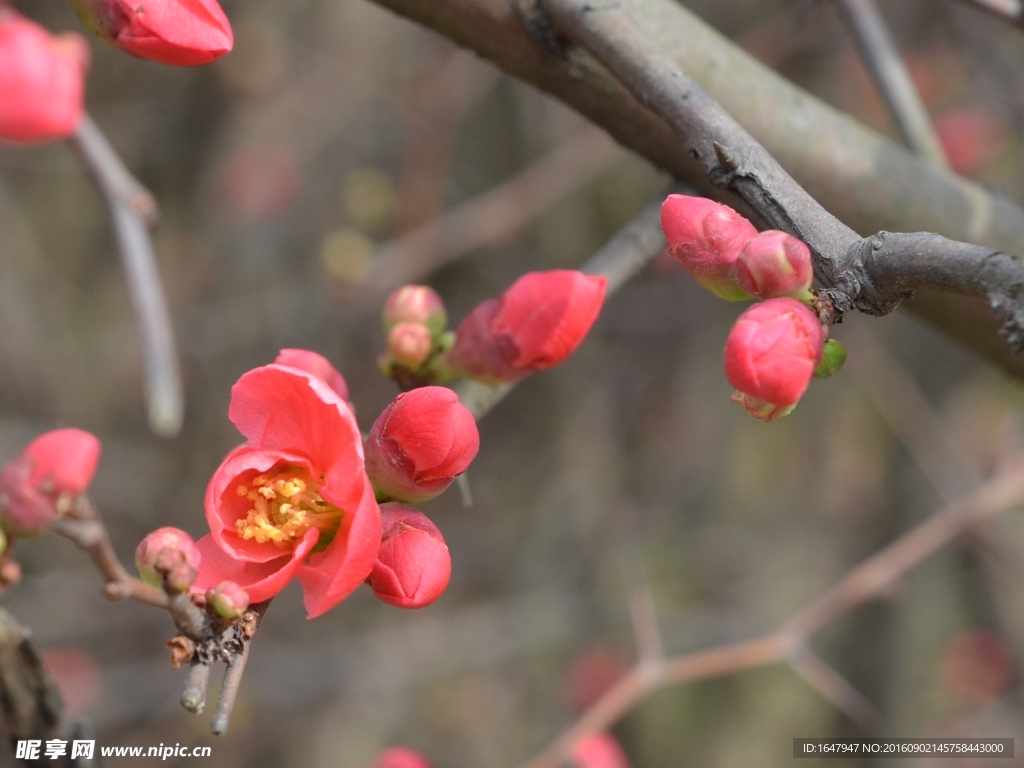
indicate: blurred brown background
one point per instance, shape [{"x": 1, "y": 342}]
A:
[{"x": 335, "y": 127}]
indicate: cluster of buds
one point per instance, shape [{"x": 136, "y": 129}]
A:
[
  {"x": 168, "y": 558},
  {"x": 415, "y": 320},
  {"x": 42, "y": 76},
  {"x": 777, "y": 345}
]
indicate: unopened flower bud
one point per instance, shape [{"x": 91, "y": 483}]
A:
[
  {"x": 420, "y": 444},
  {"x": 182, "y": 33},
  {"x": 181, "y": 577},
  {"x": 56, "y": 465},
  {"x": 415, "y": 304},
  {"x": 42, "y": 79},
  {"x": 162, "y": 551},
  {"x": 10, "y": 572},
  {"x": 536, "y": 324},
  {"x": 399, "y": 757},
  {"x": 413, "y": 565},
  {"x": 707, "y": 237},
  {"x": 410, "y": 344},
  {"x": 598, "y": 750},
  {"x": 774, "y": 264},
  {"x": 227, "y": 600},
  {"x": 833, "y": 357},
  {"x": 772, "y": 351}
]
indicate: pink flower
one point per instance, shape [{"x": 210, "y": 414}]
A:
[
  {"x": 599, "y": 750},
  {"x": 179, "y": 32},
  {"x": 415, "y": 304},
  {"x": 774, "y": 264},
  {"x": 420, "y": 444},
  {"x": 318, "y": 365},
  {"x": 400, "y": 757},
  {"x": 294, "y": 501},
  {"x": 536, "y": 324},
  {"x": 413, "y": 565},
  {"x": 707, "y": 237},
  {"x": 772, "y": 351},
  {"x": 42, "y": 86},
  {"x": 972, "y": 138},
  {"x": 55, "y": 464},
  {"x": 164, "y": 549}
]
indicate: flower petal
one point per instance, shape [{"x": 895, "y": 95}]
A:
[
  {"x": 334, "y": 573},
  {"x": 261, "y": 580},
  {"x": 284, "y": 409}
]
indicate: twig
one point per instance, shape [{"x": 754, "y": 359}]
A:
[
  {"x": 193, "y": 698},
  {"x": 493, "y": 215},
  {"x": 236, "y": 667},
  {"x": 883, "y": 61},
  {"x": 131, "y": 208},
  {"x": 83, "y": 526},
  {"x": 1007, "y": 10},
  {"x": 837, "y": 689},
  {"x": 789, "y": 643},
  {"x": 630, "y": 250},
  {"x": 646, "y": 634}
]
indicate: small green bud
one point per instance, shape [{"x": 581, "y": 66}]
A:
[{"x": 832, "y": 358}]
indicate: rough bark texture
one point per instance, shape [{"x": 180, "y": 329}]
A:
[{"x": 857, "y": 175}]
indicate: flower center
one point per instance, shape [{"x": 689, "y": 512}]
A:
[{"x": 284, "y": 506}]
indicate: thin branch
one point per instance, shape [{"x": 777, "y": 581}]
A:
[
  {"x": 838, "y": 690},
  {"x": 83, "y": 526},
  {"x": 630, "y": 250},
  {"x": 193, "y": 698},
  {"x": 244, "y": 633},
  {"x": 882, "y": 59},
  {"x": 870, "y": 579},
  {"x": 643, "y": 615},
  {"x": 493, "y": 215},
  {"x": 1007, "y": 10},
  {"x": 131, "y": 209}
]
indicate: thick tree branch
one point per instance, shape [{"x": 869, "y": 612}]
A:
[{"x": 864, "y": 179}]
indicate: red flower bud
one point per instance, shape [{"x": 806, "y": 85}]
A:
[
  {"x": 707, "y": 237},
  {"x": 318, "y": 365},
  {"x": 599, "y": 750},
  {"x": 410, "y": 344},
  {"x": 41, "y": 80},
  {"x": 162, "y": 551},
  {"x": 415, "y": 304},
  {"x": 773, "y": 350},
  {"x": 55, "y": 464},
  {"x": 536, "y": 324},
  {"x": 413, "y": 565},
  {"x": 774, "y": 264},
  {"x": 228, "y": 600},
  {"x": 179, "y": 32},
  {"x": 400, "y": 757},
  {"x": 420, "y": 444}
]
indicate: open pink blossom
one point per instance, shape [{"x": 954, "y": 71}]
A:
[
  {"x": 707, "y": 237},
  {"x": 182, "y": 33},
  {"x": 294, "y": 501},
  {"x": 772, "y": 351},
  {"x": 536, "y": 324},
  {"x": 57, "y": 463},
  {"x": 42, "y": 80},
  {"x": 318, "y": 365},
  {"x": 413, "y": 564},
  {"x": 420, "y": 444}
]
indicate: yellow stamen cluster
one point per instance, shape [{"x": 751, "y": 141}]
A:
[{"x": 286, "y": 504}]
